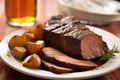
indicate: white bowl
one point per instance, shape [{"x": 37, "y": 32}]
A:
[{"x": 109, "y": 15}]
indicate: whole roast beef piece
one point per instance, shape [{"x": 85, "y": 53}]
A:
[
  {"x": 52, "y": 24},
  {"x": 73, "y": 38},
  {"x": 56, "y": 69},
  {"x": 58, "y": 58}
]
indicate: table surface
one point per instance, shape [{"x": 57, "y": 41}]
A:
[{"x": 46, "y": 9}]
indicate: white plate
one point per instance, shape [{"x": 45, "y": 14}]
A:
[{"x": 109, "y": 66}]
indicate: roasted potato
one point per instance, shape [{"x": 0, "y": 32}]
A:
[
  {"x": 19, "y": 52},
  {"x": 28, "y": 37},
  {"x": 16, "y": 41},
  {"x": 32, "y": 61},
  {"x": 35, "y": 47},
  {"x": 37, "y": 30},
  {"x": 20, "y": 40},
  {"x": 29, "y": 43}
]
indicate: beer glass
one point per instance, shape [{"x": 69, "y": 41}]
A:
[{"x": 20, "y": 12}]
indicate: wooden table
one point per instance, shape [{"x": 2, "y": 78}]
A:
[{"x": 46, "y": 9}]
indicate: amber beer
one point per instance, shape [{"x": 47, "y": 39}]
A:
[{"x": 20, "y": 12}]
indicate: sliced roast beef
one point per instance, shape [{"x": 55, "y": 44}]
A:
[
  {"x": 56, "y": 57},
  {"x": 74, "y": 38},
  {"x": 56, "y": 69}
]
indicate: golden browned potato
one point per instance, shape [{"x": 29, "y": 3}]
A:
[
  {"x": 37, "y": 30},
  {"x": 19, "y": 52},
  {"x": 28, "y": 37},
  {"x": 16, "y": 41},
  {"x": 32, "y": 61},
  {"x": 35, "y": 47},
  {"x": 20, "y": 40}
]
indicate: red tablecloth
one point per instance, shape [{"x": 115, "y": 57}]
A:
[{"x": 46, "y": 9}]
